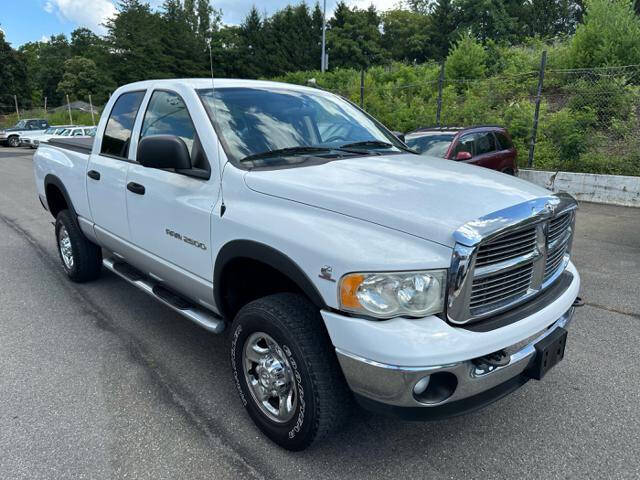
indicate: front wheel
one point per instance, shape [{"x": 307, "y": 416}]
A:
[
  {"x": 14, "y": 141},
  {"x": 286, "y": 371}
]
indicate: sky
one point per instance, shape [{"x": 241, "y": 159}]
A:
[{"x": 32, "y": 20}]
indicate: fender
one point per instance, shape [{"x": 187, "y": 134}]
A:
[
  {"x": 269, "y": 256},
  {"x": 51, "y": 179}
]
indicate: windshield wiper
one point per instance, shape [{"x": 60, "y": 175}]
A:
[
  {"x": 367, "y": 143},
  {"x": 280, "y": 152},
  {"x": 375, "y": 144}
]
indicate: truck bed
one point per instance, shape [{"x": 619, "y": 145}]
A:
[{"x": 81, "y": 145}]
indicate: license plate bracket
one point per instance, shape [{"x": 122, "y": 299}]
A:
[{"x": 549, "y": 351}]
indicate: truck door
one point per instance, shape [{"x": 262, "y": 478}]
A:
[
  {"x": 170, "y": 212},
  {"x": 107, "y": 170}
]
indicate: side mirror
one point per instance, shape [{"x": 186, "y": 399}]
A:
[
  {"x": 400, "y": 135},
  {"x": 164, "y": 151},
  {"x": 463, "y": 156}
]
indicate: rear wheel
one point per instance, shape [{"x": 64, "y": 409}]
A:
[
  {"x": 81, "y": 258},
  {"x": 286, "y": 371},
  {"x": 14, "y": 141}
]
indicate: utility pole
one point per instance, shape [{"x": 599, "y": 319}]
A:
[
  {"x": 93, "y": 120},
  {"x": 45, "y": 105},
  {"x": 69, "y": 108},
  {"x": 323, "y": 60},
  {"x": 440, "y": 82},
  {"x": 15, "y": 99},
  {"x": 536, "y": 115}
]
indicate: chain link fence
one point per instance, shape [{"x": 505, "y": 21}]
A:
[
  {"x": 561, "y": 119},
  {"x": 80, "y": 111}
]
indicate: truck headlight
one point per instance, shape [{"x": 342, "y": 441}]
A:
[{"x": 393, "y": 294}]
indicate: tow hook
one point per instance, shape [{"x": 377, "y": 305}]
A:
[
  {"x": 490, "y": 362},
  {"x": 578, "y": 302}
]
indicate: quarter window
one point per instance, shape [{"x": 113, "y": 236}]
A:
[
  {"x": 503, "y": 141},
  {"x": 117, "y": 135},
  {"x": 168, "y": 115}
]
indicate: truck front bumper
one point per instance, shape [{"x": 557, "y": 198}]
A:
[{"x": 438, "y": 372}]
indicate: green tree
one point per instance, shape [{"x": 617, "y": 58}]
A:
[
  {"x": 80, "y": 79},
  {"x": 13, "y": 73},
  {"x": 252, "y": 47},
  {"x": 609, "y": 36},
  {"x": 407, "y": 36},
  {"x": 445, "y": 19},
  {"x": 134, "y": 36},
  {"x": 488, "y": 19},
  {"x": 51, "y": 57},
  {"x": 354, "y": 38},
  {"x": 467, "y": 60},
  {"x": 190, "y": 15}
]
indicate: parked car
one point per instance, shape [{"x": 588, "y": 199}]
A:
[
  {"x": 343, "y": 264},
  {"x": 76, "y": 132},
  {"x": 487, "y": 146},
  {"x": 32, "y": 140},
  {"x": 11, "y": 136}
]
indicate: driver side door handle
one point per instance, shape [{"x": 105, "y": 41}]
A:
[{"x": 136, "y": 188}]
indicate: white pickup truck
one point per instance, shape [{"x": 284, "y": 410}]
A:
[{"x": 342, "y": 264}]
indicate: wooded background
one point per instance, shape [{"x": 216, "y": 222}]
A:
[{"x": 490, "y": 49}]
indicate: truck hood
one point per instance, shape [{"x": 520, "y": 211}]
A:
[{"x": 422, "y": 196}]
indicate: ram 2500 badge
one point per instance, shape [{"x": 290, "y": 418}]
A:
[{"x": 341, "y": 264}]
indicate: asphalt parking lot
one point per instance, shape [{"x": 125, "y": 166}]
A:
[{"x": 100, "y": 381}]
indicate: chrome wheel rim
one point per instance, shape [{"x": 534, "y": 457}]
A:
[
  {"x": 269, "y": 377},
  {"x": 64, "y": 244}
]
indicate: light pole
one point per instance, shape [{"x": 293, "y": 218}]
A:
[{"x": 323, "y": 65}]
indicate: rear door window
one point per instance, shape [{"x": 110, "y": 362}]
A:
[
  {"x": 484, "y": 143},
  {"x": 168, "y": 115},
  {"x": 117, "y": 134}
]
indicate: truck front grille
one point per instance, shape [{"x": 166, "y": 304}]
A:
[
  {"x": 516, "y": 265},
  {"x": 507, "y": 247},
  {"x": 500, "y": 287}
]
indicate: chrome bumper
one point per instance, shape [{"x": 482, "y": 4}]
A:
[{"x": 394, "y": 385}]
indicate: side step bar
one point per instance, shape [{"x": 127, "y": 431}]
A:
[{"x": 206, "y": 319}]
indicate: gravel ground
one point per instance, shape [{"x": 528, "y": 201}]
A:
[{"x": 100, "y": 381}]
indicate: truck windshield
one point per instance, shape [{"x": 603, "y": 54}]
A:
[
  {"x": 272, "y": 123},
  {"x": 21, "y": 124}
]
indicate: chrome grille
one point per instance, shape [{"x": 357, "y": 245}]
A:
[
  {"x": 558, "y": 226},
  {"x": 554, "y": 260},
  {"x": 500, "y": 287},
  {"x": 492, "y": 272},
  {"x": 507, "y": 247}
]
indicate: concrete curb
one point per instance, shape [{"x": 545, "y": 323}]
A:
[{"x": 589, "y": 187}]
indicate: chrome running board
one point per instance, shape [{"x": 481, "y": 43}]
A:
[{"x": 206, "y": 319}]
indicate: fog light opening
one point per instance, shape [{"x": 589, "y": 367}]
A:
[{"x": 435, "y": 388}]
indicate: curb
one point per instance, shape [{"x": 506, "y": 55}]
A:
[{"x": 589, "y": 187}]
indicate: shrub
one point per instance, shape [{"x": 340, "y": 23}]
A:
[{"x": 467, "y": 60}]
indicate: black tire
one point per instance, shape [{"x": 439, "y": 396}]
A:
[
  {"x": 13, "y": 141},
  {"x": 509, "y": 171},
  {"x": 86, "y": 255},
  {"x": 324, "y": 401}
]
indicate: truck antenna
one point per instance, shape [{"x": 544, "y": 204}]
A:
[{"x": 215, "y": 120}]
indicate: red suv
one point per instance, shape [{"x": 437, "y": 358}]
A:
[{"x": 487, "y": 146}]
